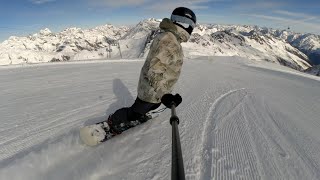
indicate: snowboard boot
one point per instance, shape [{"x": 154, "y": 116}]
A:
[
  {"x": 119, "y": 128},
  {"x": 113, "y": 128}
]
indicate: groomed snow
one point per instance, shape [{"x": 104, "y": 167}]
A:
[{"x": 239, "y": 120}]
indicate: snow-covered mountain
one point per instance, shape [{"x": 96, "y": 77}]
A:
[
  {"x": 307, "y": 43},
  {"x": 315, "y": 70},
  {"x": 70, "y": 44},
  {"x": 282, "y": 47},
  {"x": 252, "y": 45}
]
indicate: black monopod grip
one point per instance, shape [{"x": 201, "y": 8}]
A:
[{"x": 169, "y": 99}]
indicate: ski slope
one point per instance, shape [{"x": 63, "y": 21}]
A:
[{"x": 239, "y": 120}]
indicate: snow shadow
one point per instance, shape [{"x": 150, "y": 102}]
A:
[
  {"x": 123, "y": 96},
  {"x": 123, "y": 99}
]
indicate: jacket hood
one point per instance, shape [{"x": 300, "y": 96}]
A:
[{"x": 181, "y": 34}]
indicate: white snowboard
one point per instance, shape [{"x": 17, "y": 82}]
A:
[{"x": 95, "y": 134}]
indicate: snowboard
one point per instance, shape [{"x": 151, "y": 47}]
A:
[{"x": 95, "y": 134}]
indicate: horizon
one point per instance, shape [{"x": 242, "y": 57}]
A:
[{"x": 30, "y": 16}]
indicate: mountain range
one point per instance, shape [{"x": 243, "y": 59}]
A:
[{"x": 295, "y": 50}]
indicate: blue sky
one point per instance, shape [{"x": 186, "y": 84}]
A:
[{"x": 23, "y": 17}]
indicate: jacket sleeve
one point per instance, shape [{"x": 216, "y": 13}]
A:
[{"x": 162, "y": 71}]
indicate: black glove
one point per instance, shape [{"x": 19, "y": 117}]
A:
[{"x": 168, "y": 99}]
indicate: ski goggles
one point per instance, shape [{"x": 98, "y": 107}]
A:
[{"x": 183, "y": 21}]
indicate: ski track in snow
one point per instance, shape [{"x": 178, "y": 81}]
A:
[
  {"x": 211, "y": 160},
  {"x": 222, "y": 154},
  {"x": 229, "y": 145},
  {"x": 241, "y": 123}
]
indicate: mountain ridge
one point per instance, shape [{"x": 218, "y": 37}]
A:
[{"x": 296, "y": 50}]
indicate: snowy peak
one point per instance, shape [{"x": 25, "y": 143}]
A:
[
  {"x": 227, "y": 36},
  {"x": 45, "y": 32},
  {"x": 142, "y": 29}
]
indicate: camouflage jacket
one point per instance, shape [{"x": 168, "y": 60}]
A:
[{"x": 162, "y": 67}]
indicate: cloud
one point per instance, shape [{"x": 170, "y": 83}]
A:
[
  {"x": 169, "y": 5},
  {"x": 291, "y": 17},
  {"x": 118, "y": 3},
  {"x": 153, "y": 5},
  {"x": 301, "y": 23},
  {"x": 257, "y": 5},
  {"x": 294, "y": 14},
  {"x": 41, "y": 1}
]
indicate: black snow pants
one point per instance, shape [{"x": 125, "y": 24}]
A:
[{"x": 136, "y": 112}]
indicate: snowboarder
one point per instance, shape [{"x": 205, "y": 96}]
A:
[
  {"x": 158, "y": 75},
  {"x": 160, "y": 71}
]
